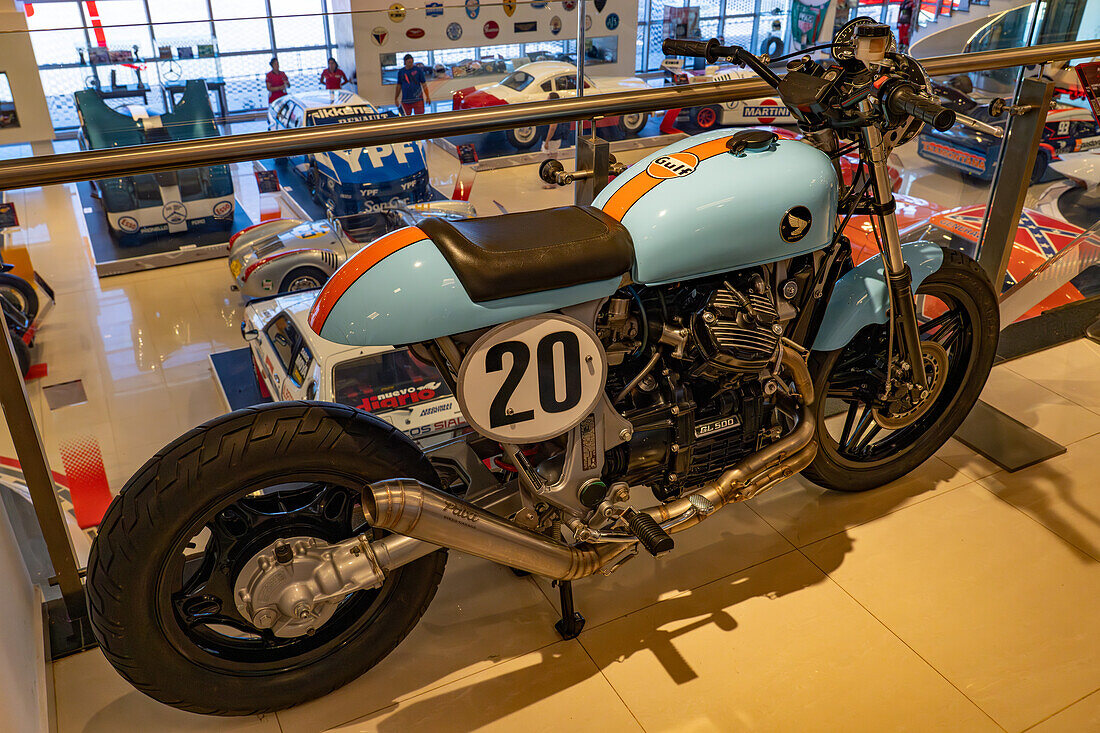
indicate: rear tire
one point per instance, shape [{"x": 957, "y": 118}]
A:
[
  {"x": 706, "y": 118},
  {"x": 19, "y": 293},
  {"x": 207, "y": 479},
  {"x": 524, "y": 138},
  {"x": 631, "y": 125},
  {"x": 842, "y": 464}
]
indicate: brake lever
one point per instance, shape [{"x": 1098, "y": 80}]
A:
[{"x": 973, "y": 124}]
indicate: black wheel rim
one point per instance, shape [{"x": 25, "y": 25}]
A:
[
  {"x": 194, "y": 603},
  {"x": 853, "y": 438}
]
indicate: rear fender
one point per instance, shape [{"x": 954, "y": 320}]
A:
[{"x": 860, "y": 297}]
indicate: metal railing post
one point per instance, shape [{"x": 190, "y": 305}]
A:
[{"x": 39, "y": 478}]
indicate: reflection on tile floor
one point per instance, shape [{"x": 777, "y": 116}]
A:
[{"x": 958, "y": 598}]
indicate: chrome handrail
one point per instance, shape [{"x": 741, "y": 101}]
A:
[{"x": 114, "y": 162}]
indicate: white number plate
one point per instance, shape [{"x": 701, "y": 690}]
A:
[{"x": 532, "y": 379}]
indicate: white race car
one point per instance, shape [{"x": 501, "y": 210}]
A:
[
  {"x": 762, "y": 111},
  {"x": 535, "y": 82},
  {"x": 294, "y": 363}
]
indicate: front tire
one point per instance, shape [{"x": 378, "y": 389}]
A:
[
  {"x": 524, "y": 138},
  {"x": 156, "y": 589},
  {"x": 631, "y": 125},
  {"x": 856, "y": 452},
  {"x": 302, "y": 278},
  {"x": 19, "y": 293}
]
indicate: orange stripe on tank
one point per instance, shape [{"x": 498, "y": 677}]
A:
[
  {"x": 642, "y": 183},
  {"x": 356, "y": 267}
]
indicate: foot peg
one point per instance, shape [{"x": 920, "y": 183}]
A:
[{"x": 649, "y": 533}]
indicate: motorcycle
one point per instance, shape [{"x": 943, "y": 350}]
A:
[{"x": 698, "y": 335}]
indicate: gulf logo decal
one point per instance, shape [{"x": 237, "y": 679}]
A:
[
  {"x": 674, "y": 165},
  {"x": 357, "y": 266}
]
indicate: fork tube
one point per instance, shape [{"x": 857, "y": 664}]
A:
[{"x": 899, "y": 279}]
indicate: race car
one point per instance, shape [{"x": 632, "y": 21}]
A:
[
  {"x": 171, "y": 202},
  {"x": 294, "y": 363},
  {"x": 1038, "y": 238},
  {"x": 762, "y": 111},
  {"x": 535, "y": 82},
  {"x": 1068, "y": 129},
  {"x": 288, "y": 255},
  {"x": 360, "y": 181}
]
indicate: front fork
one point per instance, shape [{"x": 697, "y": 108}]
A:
[{"x": 899, "y": 279}]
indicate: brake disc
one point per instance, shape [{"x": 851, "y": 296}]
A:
[{"x": 904, "y": 411}]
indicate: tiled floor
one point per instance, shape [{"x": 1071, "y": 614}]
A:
[{"x": 960, "y": 598}]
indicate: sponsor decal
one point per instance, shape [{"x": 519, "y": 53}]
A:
[
  {"x": 587, "y": 22},
  {"x": 1087, "y": 143},
  {"x": 461, "y": 513},
  {"x": 174, "y": 212},
  {"x": 966, "y": 160},
  {"x": 414, "y": 33},
  {"x": 223, "y": 209},
  {"x": 491, "y": 29},
  {"x": 473, "y": 7},
  {"x": 612, "y": 21},
  {"x": 128, "y": 224},
  {"x": 400, "y": 397},
  {"x": 235, "y": 269},
  {"x": 379, "y": 35},
  {"x": 347, "y": 112},
  {"x": 795, "y": 224},
  {"x": 434, "y": 9},
  {"x": 397, "y": 12},
  {"x": 717, "y": 426},
  {"x": 569, "y": 5},
  {"x": 269, "y": 285},
  {"x": 527, "y": 26},
  {"x": 433, "y": 409},
  {"x": 600, "y": 5},
  {"x": 454, "y": 31},
  {"x": 509, "y": 7},
  {"x": 555, "y": 25},
  {"x": 674, "y": 165},
  {"x": 539, "y": 4},
  {"x": 767, "y": 111},
  {"x": 286, "y": 391}
]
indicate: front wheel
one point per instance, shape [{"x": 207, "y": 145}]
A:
[
  {"x": 165, "y": 573},
  {"x": 524, "y": 138},
  {"x": 302, "y": 278},
  {"x": 869, "y": 436},
  {"x": 631, "y": 125}
]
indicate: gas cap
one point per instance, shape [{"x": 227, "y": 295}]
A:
[{"x": 747, "y": 140}]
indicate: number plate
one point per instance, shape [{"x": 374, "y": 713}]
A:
[{"x": 532, "y": 379}]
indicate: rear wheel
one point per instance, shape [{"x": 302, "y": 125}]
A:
[
  {"x": 20, "y": 294},
  {"x": 164, "y": 575},
  {"x": 705, "y": 118},
  {"x": 524, "y": 138},
  {"x": 868, "y": 437},
  {"x": 303, "y": 278},
  {"x": 631, "y": 125}
]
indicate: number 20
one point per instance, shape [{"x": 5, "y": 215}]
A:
[{"x": 547, "y": 368}]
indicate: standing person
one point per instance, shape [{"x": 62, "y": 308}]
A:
[
  {"x": 412, "y": 88},
  {"x": 333, "y": 77},
  {"x": 905, "y": 24},
  {"x": 277, "y": 82}
]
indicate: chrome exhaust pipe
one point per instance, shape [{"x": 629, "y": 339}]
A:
[{"x": 411, "y": 508}]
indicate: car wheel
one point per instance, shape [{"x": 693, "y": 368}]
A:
[
  {"x": 1042, "y": 162},
  {"x": 302, "y": 278},
  {"x": 631, "y": 125},
  {"x": 523, "y": 138},
  {"x": 705, "y": 118}
]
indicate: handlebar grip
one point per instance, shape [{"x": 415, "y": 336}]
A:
[
  {"x": 904, "y": 100},
  {"x": 696, "y": 49}
]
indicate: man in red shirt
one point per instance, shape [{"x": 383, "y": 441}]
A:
[
  {"x": 277, "y": 82},
  {"x": 333, "y": 77}
]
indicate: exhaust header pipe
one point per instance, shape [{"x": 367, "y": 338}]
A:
[{"x": 411, "y": 508}]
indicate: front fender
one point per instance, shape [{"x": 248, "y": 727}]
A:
[{"x": 860, "y": 297}]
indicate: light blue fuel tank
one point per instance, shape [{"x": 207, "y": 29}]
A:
[{"x": 694, "y": 208}]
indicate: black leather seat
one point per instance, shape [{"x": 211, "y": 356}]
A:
[{"x": 516, "y": 254}]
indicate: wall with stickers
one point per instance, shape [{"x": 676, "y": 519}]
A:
[{"x": 382, "y": 37}]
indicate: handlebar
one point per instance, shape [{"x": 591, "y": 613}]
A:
[
  {"x": 904, "y": 100},
  {"x": 712, "y": 51}
]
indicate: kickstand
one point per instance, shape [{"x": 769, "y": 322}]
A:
[{"x": 571, "y": 622}]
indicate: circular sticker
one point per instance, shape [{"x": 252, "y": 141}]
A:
[
  {"x": 397, "y": 12},
  {"x": 491, "y": 29},
  {"x": 473, "y": 7},
  {"x": 223, "y": 209},
  {"x": 174, "y": 212},
  {"x": 673, "y": 165},
  {"x": 454, "y": 31},
  {"x": 379, "y": 35},
  {"x": 569, "y": 5},
  {"x": 612, "y": 21},
  {"x": 415, "y": 33},
  {"x": 532, "y": 379},
  {"x": 795, "y": 224},
  {"x": 128, "y": 224},
  {"x": 555, "y": 25},
  {"x": 587, "y": 22}
]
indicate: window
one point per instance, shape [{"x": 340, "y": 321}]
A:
[
  {"x": 565, "y": 83},
  {"x": 518, "y": 80},
  {"x": 388, "y": 381},
  {"x": 290, "y": 349}
]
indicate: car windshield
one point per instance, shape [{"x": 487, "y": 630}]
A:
[
  {"x": 518, "y": 80},
  {"x": 391, "y": 380}
]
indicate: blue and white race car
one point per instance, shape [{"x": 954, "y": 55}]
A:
[{"x": 360, "y": 181}]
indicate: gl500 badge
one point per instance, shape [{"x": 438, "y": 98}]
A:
[
  {"x": 795, "y": 224},
  {"x": 675, "y": 165}
]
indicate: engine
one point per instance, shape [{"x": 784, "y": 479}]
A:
[{"x": 693, "y": 367}]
